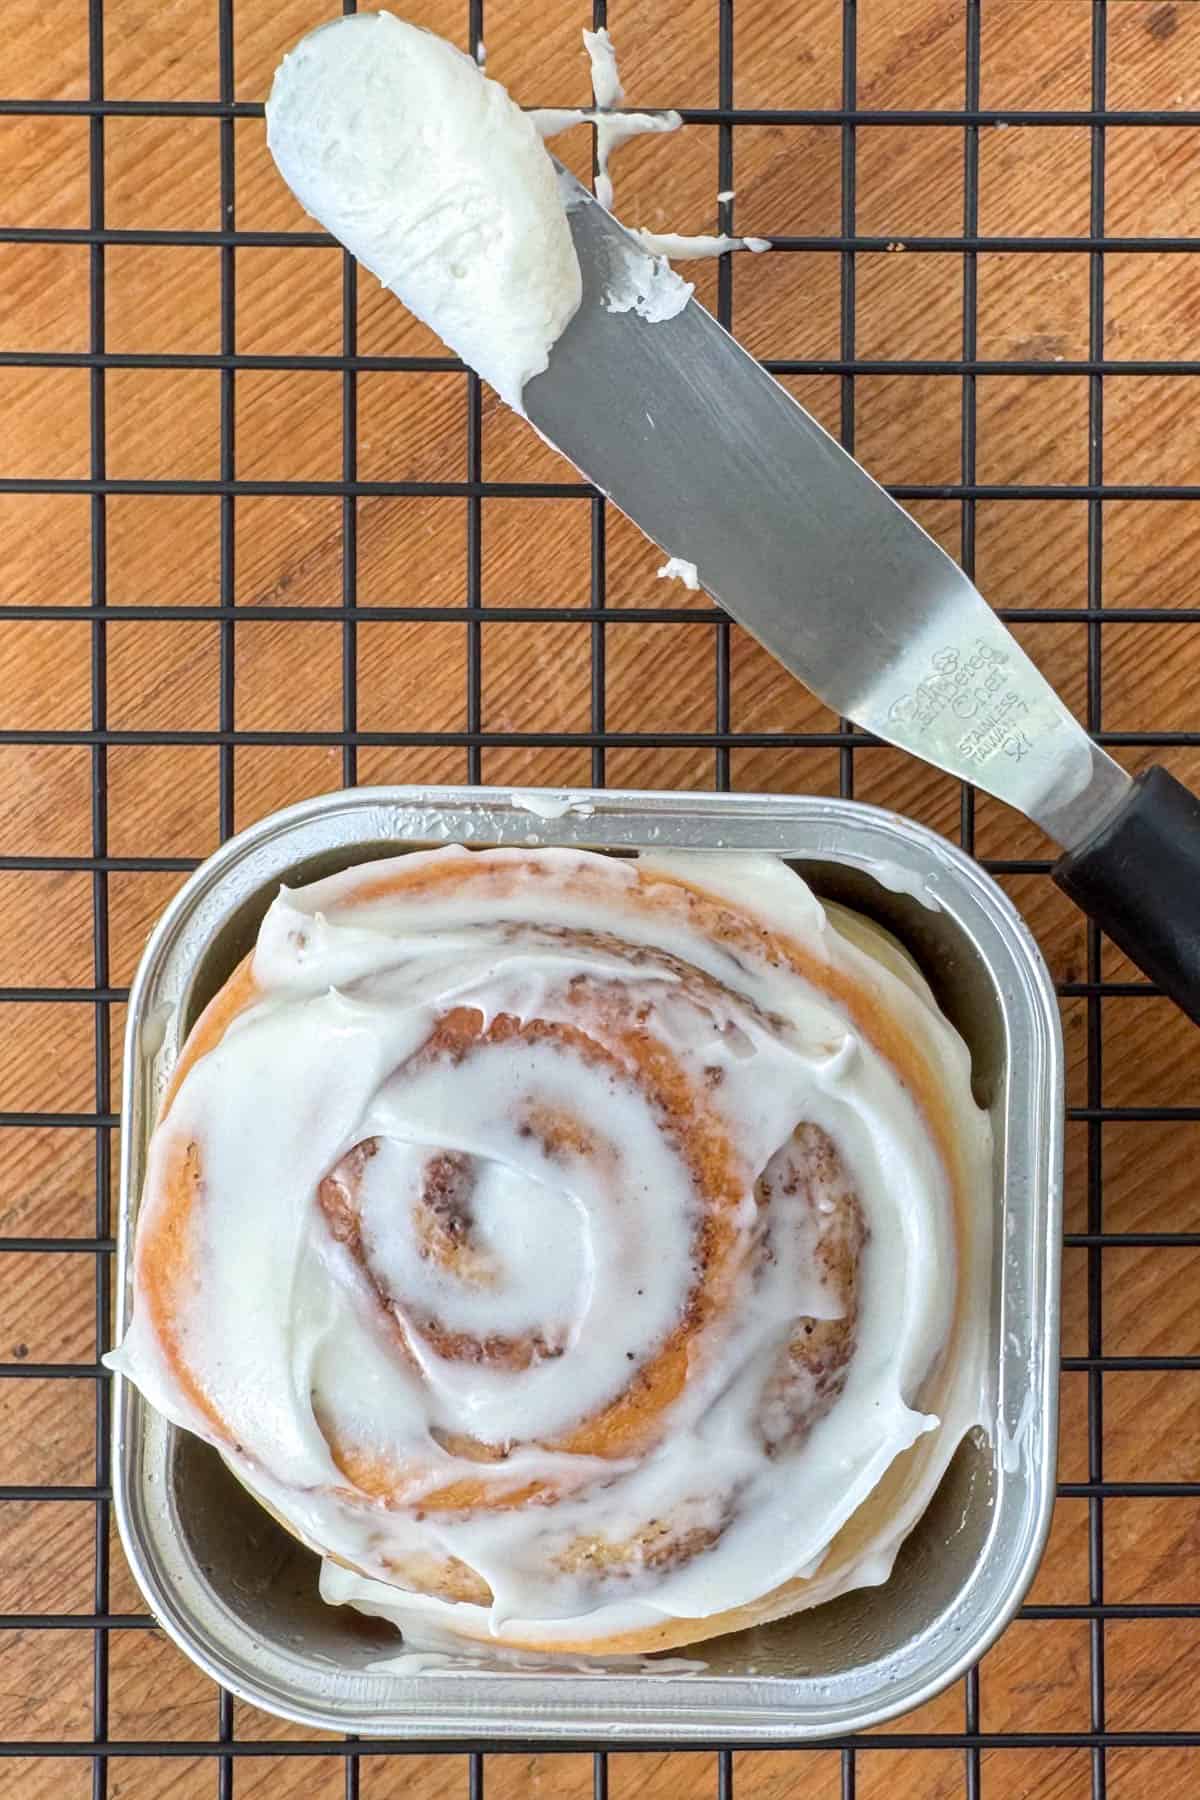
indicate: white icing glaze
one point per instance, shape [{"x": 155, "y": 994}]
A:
[
  {"x": 594, "y": 1254},
  {"x": 677, "y": 568},
  {"x": 436, "y": 181}
]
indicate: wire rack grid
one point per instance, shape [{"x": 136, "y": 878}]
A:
[{"x": 967, "y": 199}]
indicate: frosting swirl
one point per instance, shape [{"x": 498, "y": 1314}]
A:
[{"x": 581, "y": 1250}]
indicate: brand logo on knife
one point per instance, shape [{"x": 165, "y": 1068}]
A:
[{"x": 975, "y": 686}]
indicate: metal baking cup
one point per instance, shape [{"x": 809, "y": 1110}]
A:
[{"x": 239, "y": 1595}]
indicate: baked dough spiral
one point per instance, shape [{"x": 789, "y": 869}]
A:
[{"x": 580, "y": 1252}]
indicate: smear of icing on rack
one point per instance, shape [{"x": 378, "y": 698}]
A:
[
  {"x": 551, "y": 806},
  {"x": 612, "y": 128},
  {"x": 606, "y": 77},
  {"x": 593, "y": 1254},
  {"x": 616, "y": 128},
  {"x": 430, "y": 1646},
  {"x": 436, "y": 181}
]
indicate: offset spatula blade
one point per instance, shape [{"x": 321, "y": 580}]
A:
[{"x": 716, "y": 462}]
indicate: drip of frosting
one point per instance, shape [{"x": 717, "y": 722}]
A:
[
  {"x": 641, "y": 283},
  {"x": 436, "y": 181},
  {"x": 550, "y": 806},
  {"x": 574, "y": 1248}
]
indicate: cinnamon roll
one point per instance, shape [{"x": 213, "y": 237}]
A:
[{"x": 582, "y": 1253}]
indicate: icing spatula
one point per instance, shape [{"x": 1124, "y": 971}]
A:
[{"x": 716, "y": 462}]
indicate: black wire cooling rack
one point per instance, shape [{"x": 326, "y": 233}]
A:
[{"x": 224, "y": 1755}]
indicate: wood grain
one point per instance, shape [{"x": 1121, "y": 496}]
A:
[{"x": 163, "y": 423}]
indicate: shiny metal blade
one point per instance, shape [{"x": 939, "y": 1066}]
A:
[{"x": 716, "y": 462}]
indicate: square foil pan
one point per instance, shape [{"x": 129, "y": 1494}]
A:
[{"x": 240, "y": 1597}]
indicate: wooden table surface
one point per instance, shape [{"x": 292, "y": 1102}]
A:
[{"x": 160, "y": 560}]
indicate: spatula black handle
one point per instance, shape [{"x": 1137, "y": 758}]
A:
[{"x": 1139, "y": 878}]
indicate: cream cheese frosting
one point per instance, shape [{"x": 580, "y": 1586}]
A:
[
  {"x": 437, "y": 182},
  {"x": 592, "y": 1257}
]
